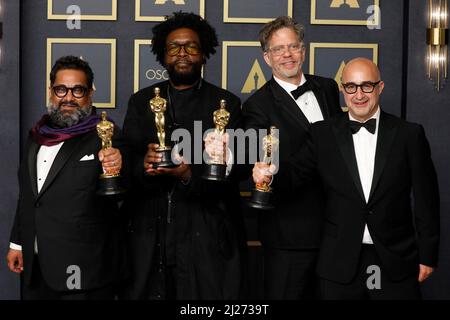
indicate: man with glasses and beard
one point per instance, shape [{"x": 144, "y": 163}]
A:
[
  {"x": 185, "y": 235},
  {"x": 64, "y": 237}
]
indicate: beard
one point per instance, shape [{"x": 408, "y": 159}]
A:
[
  {"x": 290, "y": 73},
  {"x": 61, "y": 119},
  {"x": 188, "y": 78}
]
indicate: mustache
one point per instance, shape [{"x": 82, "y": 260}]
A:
[
  {"x": 187, "y": 61},
  {"x": 69, "y": 103}
]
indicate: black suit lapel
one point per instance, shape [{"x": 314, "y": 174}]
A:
[
  {"x": 285, "y": 102},
  {"x": 320, "y": 96},
  {"x": 386, "y": 134},
  {"x": 32, "y": 156},
  {"x": 345, "y": 141},
  {"x": 61, "y": 158}
]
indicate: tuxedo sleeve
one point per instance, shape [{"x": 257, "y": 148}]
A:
[
  {"x": 300, "y": 169},
  {"x": 119, "y": 142},
  {"x": 15, "y": 232},
  {"x": 426, "y": 198},
  {"x": 255, "y": 118}
]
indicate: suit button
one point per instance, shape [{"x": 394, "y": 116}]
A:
[
  {"x": 370, "y": 212},
  {"x": 37, "y": 204}
]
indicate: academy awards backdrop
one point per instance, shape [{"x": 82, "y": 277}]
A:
[{"x": 115, "y": 37}]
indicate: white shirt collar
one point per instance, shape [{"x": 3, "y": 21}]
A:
[{"x": 288, "y": 87}]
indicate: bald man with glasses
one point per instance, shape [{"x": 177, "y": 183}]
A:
[{"x": 381, "y": 232}]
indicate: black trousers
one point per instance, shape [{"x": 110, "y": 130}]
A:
[
  {"x": 366, "y": 285},
  {"x": 289, "y": 274},
  {"x": 39, "y": 290}
]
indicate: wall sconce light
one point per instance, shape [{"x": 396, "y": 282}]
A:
[{"x": 437, "y": 41}]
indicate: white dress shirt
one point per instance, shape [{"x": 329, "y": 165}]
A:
[
  {"x": 365, "y": 148},
  {"x": 44, "y": 161},
  {"x": 307, "y": 102}
]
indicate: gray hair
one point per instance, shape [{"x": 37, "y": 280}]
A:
[{"x": 281, "y": 22}]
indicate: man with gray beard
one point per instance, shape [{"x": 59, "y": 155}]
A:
[
  {"x": 64, "y": 239},
  {"x": 64, "y": 119}
]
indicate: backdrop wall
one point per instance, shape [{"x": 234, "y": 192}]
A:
[{"x": 32, "y": 37}]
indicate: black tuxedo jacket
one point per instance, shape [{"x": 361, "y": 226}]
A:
[
  {"x": 402, "y": 213},
  {"x": 73, "y": 226},
  {"x": 296, "y": 221}
]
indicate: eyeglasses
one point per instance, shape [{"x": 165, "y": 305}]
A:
[
  {"x": 366, "y": 87},
  {"x": 77, "y": 91},
  {"x": 280, "y": 50},
  {"x": 191, "y": 48}
]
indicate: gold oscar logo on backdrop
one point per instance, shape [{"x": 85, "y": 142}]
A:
[
  {"x": 255, "y": 79},
  {"x": 338, "y": 76},
  {"x": 339, "y": 3},
  {"x": 177, "y": 2}
]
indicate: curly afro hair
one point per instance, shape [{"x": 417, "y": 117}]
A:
[{"x": 206, "y": 33}]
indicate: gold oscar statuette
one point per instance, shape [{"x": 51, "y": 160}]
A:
[
  {"x": 216, "y": 167},
  {"x": 262, "y": 193},
  {"x": 109, "y": 181},
  {"x": 158, "y": 106}
]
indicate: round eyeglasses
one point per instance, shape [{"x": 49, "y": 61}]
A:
[
  {"x": 77, "y": 91},
  {"x": 366, "y": 87},
  {"x": 280, "y": 50},
  {"x": 191, "y": 48}
]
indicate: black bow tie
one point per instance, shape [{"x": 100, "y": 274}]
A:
[
  {"x": 307, "y": 86},
  {"x": 370, "y": 125}
]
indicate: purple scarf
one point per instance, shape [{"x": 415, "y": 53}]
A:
[{"x": 45, "y": 135}]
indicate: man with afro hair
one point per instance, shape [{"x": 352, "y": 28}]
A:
[{"x": 185, "y": 235}]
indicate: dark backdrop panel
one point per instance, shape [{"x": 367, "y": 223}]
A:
[
  {"x": 125, "y": 29},
  {"x": 389, "y": 39},
  {"x": 432, "y": 110},
  {"x": 9, "y": 139},
  {"x": 34, "y": 48}
]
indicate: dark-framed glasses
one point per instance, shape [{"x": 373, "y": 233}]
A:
[
  {"x": 280, "y": 50},
  {"x": 191, "y": 48},
  {"x": 366, "y": 87},
  {"x": 77, "y": 91}
]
